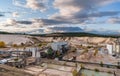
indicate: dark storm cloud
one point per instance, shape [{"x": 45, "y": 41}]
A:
[
  {"x": 64, "y": 29},
  {"x": 24, "y": 22},
  {"x": 79, "y": 11},
  {"x": 1, "y": 15},
  {"x": 78, "y": 18},
  {"x": 98, "y": 14},
  {"x": 50, "y": 21}
]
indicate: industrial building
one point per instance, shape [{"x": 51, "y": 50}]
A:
[{"x": 114, "y": 48}]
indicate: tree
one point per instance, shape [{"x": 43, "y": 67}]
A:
[
  {"x": 75, "y": 73},
  {"x": 96, "y": 52},
  {"x": 82, "y": 74},
  {"x": 82, "y": 66},
  {"x": 101, "y": 64},
  {"x": 2, "y": 44},
  {"x": 15, "y": 45}
]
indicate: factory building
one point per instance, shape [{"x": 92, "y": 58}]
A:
[{"x": 114, "y": 48}]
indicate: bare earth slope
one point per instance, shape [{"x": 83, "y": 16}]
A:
[
  {"x": 10, "y": 71},
  {"x": 14, "y": 39},
  {"x": 18, "y": 39}
]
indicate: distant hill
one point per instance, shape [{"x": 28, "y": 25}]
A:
[
  {"x": 1, "y": 32},
  {"x": 67, "y": 34},
  {"x": 74, "y": 34}
]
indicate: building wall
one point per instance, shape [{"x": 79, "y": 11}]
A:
[
  {"x": 118, "y": 49},
  {"x": 110, "y": 49}
]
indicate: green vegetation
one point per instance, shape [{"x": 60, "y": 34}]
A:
[
  {"x": 1, "y": 32},
  {"x": 96, "y": 52},
  {"x": 74, "y": 34},
  {"x": 75, "y": 73},
  {"x": 14, "y": 45},
  {"x": 97, "y": 70},
  {"x": 101, "y": 64},
  {"x": 16, "y": 59},
  {"x": 118, "y": 67},
  {"x": 82, "y": 66},
  {"x": 82, "y": 74},
  {"x": 109, "y": 72},
  {"x": 42, "y": 44},
  {"x": 2, "y": 44}
]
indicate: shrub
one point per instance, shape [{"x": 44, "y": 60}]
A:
[
  {"x": 109, "y": 72},
  {"x": 22, "y": 44},
  {"x": 97, "y": 70},
  {"x": 40, "y": 45},
  {"x": 101, "y": 64},
  {"x": 82, "y": 74},
  {"x": 2, "y": 44},
  {"x": 118, "y": 67},
  {"x": 15, "y": 45},
  {"x": 108, "y": 66},
  {"x": 95, "y": 53},
  {"x": 75, "y": 73},
  {"x": 16, "y": 59},
  {"x": 82, "y": 66}
]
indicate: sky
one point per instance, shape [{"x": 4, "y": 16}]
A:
[{"x": 48, "y": 16}]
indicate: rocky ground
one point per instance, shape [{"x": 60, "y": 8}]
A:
[{"x": 11, "y": 71}]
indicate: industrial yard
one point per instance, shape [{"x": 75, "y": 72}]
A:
[
  {"x": 59, "y": 38},
  {"x": 62, "y": 57}
]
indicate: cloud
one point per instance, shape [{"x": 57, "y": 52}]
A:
[
  {"x": 98, "y": 14},
  {"x": 114, "y": 20},
  {"x": 32, "y": 4},
  {"x": 77, "y": 18},
  {"x": 36, "y": 31},
  {"x": 12, "y": 25},
  {"x": 19, "y": 3},
  {"x": 10, "y": 22},
  {"x": 25, "y": 22},
  {"x": 69, "y": 11},
  {"x": 36, "y": 4},
  {"x": 49, "y": 21},
  {"x": 15, "y": 14},
  {"x": 62, "y": 29},
  {"x": 79, "y": 11},
  {"x": 1, "y": 15},
  {"x": 70, "y": 7}
]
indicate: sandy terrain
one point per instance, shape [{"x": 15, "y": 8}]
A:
[
  {"x": 14, "y": 39},
  {"x": 17, "y": 39},
  {"x": 78, "y": 40},
  {"x": 11, "y": 71},
  {"x": 47, "y": 71}
]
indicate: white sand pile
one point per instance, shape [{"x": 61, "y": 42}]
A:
[
  {"x": 14, "y": 39},
  {"x": 89, "y": 57},
  {"x": 78, "y": 40}
]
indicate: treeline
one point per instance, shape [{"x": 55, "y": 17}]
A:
[{"x": 78, "y": 34}]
